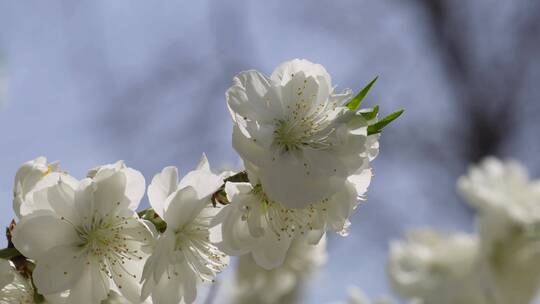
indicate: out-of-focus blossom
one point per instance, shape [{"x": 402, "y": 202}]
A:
[
  {"x": 435, "y": 268},
  {"x": 86, "y": 238},
  {"x": 297, "y": 130},
  {"x": 280, "y": 285},
  {"x": 510, "y": 259},
  {"x": 183, "y": 255},
  {"x": 508, "y": 227},
  {"x": 503, "y": 187}
]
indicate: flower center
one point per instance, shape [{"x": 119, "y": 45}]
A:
[
  {"x": 104, "y": 240},
  {"x": 104, "y": 236},
  {"x": 303, "y": 130}
]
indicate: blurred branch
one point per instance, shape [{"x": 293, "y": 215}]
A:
[{"x": 488, "y": 93}]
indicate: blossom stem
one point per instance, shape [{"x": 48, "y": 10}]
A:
[{"x": 150, "y": 215}]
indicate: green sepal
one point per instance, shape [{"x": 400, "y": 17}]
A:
[
  {"x": 371, "y": 114},
  {"x": 355, "y": 103},
  {"x": 378, "y": 126},
  {"x": 151, "y": 216},
  {"x": 9, "y": 253}
]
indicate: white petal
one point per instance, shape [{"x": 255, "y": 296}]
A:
[
  {"x": 285, "y": 71},
  {"x": 289, "y": 183},
  {"x": 109, "y": 193},
  {"x": 203, "y": 163},
  {"x": 40, "y": 231},
  {"x": 252, "y": 97},
  {"x": 126, "y": 276},
  {"x": 105, "y": 170},
  {"x": 361, "y": 181},
  {"x": 203, "y": 181},
  {"x": 189, "y": 287},
  {"x": 183, "y": 207},
  {"x": 271, "y": 251},
  {"x": 163, "y": 184},
  {"x": 36, "y": 198},
  {"x": 250, "y": 150},
  {"x": 62, "y": 200},
  {"x": 236, "y": 238},
  {"x": 340, "y": 208},
  {"x": 92, "y": 287},
  {"x": 25, "y": 179},
  {"x": 135, "y": 187},
  {"x": 58, "y": 269},
  {"x": 167, "y": 290},
  {"x": 313, "y": 237},
  {"x": 84, "y": 196},
  {"x": 135, "y": 183}
]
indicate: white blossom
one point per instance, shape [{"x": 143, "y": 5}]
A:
[
  {"x": 254, "y": 223},
  {"x": 503, "y": 187},
  {"x": 183, "y": 255},
  {"x": 135, "y": 184},
  {"x": 33, "y": 176},
  {"x": 87, "y": 239},
  {"x": 297, "y": 130},
  {"x": 510, "y": 259},
  {"x": 508, "y": 226},
  {"x": 282, "y": 284},
  {"x": 435, "y": 268}
]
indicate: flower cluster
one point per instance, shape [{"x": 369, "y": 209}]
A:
[
  {"x": 306, "y": 149},
  {"x": 499, "y": 264},
  {"x": 307, "y": 156},
  {"x": 85, "y": 236},
  {"x": 183, "y": 254},
  {"x": 508, "y": 223},
  {"x": 435, "y": 268}
]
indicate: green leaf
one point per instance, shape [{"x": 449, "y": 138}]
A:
[
  {"x": 371, "y": 114},
  {"x": 238, "y": 177},
  {"x": 147, "y": 214},
  {"x": 357, "y": 100},
  {"x": 160, "y": 224},
  {"x": 378, "y": 126},
  {"x": 151, "y": 216},
  {"x": 9, "y": 253}
]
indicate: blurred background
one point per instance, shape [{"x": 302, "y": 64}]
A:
[{"x": 91, "y": 82}]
